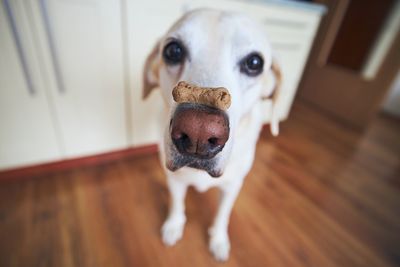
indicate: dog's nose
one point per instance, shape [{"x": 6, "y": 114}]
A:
[{"x": 199, "y": 130}]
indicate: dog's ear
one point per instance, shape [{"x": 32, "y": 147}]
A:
[
  {"x": 274, "y": 124},
  {"x": 151, "y": 71}
]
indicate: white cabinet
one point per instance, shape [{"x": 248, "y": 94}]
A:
[
  {"x": 83, "y": 57},
  {"x": 62, "y": 91},
  {"x": 27, "y": 132}
]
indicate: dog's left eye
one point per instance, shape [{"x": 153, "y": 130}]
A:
[
  {"x": 252, "y": 65},
  {"x": 174, "y": 53}
]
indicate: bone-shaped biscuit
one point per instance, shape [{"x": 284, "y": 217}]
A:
[{"x": 217, "y": 97}]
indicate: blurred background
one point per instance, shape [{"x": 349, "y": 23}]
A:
[{"x": 71, "y": 105}]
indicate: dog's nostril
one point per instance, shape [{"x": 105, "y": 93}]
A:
[
  {"x": 182, "y": 142},
  {"x": 182, "y": 137},
  {"x": 213, "y": 141}
]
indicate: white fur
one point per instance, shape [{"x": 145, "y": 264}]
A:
[{"x": 216, "y": 41}]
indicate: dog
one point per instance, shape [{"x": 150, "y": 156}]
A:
[{"x": 203, "y": 146}]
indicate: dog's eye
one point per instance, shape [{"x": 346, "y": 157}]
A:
[
  {"x": 252, "y": 65},
  {"x": 173, "y": 53}
]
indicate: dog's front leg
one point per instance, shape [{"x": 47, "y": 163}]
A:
[
  {"x": 172, "y": 229},
  {"x": 219, "y": 240}
]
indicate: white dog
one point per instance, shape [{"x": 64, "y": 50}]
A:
[{"x": 211, "y": 48}]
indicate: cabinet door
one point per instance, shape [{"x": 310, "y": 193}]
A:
[
  {"x": 27, "y": 135},
  {"x": 84, "y": 59}
]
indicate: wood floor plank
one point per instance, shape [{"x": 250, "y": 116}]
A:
[{"x": 318, "y": 195}]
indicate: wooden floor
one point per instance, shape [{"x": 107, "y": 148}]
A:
[{"x": 318, "y": 195}]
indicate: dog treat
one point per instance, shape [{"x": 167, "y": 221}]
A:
[{"x": 217, "y": 97}]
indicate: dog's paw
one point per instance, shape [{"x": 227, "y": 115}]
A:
[
  {"x": 220, "y": 247},
  {"x": 172, "y": 231}
]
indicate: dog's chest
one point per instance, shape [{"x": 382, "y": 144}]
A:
[
  {"x": 199, "y": 179},
  {"x": 202, "y": 187}
]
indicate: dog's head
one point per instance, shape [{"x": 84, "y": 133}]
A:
[{"x": 210, "y": 48}]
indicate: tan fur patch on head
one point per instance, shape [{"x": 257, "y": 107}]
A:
[
  {"x": 150, "y": 73},
  {"x": 278, "y": 78},
  {"x": 217, "y": 97}
]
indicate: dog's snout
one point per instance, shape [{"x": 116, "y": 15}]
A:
[{"x": 199, "y": 130}]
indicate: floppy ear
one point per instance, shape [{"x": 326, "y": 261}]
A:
[
  {"x": 274, "y": 124},
  {"x": 150, "y": 72}
]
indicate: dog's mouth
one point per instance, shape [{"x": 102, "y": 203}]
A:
[{"x": 178, "y": 161}]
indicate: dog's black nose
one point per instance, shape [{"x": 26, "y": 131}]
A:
[{"x": 199, "y": 130}]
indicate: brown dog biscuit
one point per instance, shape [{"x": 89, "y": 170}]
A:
[{"x": 217, "y": 97}]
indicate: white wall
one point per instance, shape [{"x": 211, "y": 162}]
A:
[{"x": 392, "y": 102}]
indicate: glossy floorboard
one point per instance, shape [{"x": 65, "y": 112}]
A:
[{"x": 318, "y": 195}]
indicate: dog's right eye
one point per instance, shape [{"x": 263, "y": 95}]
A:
[
  {"x": 252, "y": 65},
  {"x": 173, "y": 53}
]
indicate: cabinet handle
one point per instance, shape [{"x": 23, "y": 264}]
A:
[
  {"x": 52, "y": 46},
  {"x": 20, "y": 50}
]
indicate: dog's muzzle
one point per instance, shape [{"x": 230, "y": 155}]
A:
[
  {"x": 199, "y": 127},
  {"x": 198, "y": 130}
]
